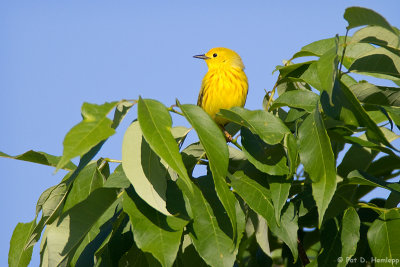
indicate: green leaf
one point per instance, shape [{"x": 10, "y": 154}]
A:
[
  {"x": 213, "y": 245},
  {"x": 303, "y": 99},
  {"x": 349, "y": 235},
  {"x": 383, "y": 238},
  {"x": 117, "y": 179},
  {"x": 330, "y": 243},
  {"x": 89, "y": 179},
  {"x": 259, "y": 199},
  {"x": 214, "y": 143},
  {"x": 379, "y": 61},
  {"x": 19, "y": 256},
  {"x": 290, "y": 142},
  {"x": 279, "y": 188},
  {"x": 378, "y": 95},
  {"x": 363, "y": 178},
  {"x": 378, "y": 36},
  {"x": 317, "y": 157},
  {"x": 94, "y": 128},
  {"x": 268, "y": 127},
  {"x": 327, "y": 68},
  {"x": 40, "y": 158},
  {"x": 155, "y": 122},
  {"x": 360, "y": 16},
  {"x": 266, "y": 158},
  {"x": 320, "y": 47},
  {"x": 154, "y": 232},
  {"x": 143, "y": 168},
  {"x": 73, "y": 226}
]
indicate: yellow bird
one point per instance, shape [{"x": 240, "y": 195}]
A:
[{"x": 225, "y": 84}]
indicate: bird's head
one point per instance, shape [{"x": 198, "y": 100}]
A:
[{"x": 221, "y": 57}]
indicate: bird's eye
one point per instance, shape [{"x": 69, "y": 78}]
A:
[{"x": 215, "y": 55}]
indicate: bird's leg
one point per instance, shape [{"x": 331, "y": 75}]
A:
[{"x": 228, "y": 136}]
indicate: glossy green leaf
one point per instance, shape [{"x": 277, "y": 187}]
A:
[
  {"x": 378, "y": 61},
  {"x": 259, "y": 199},
  {"x": 266, "y": 158},
  {"x": 214, "y": 143},
  {"x": 88, "y": 180},
  {"x": 279, "y": 188},
  {"x": 360, "y": 16},
  {"x": 153, "y": 231},
  {"x": 94, "y": 128},
  {"x": 303, "y": 99},
  {"x": 40, "y": 158},
  {"x": 317, "y": 157},
  {"x": 143, "y": 168},
  {"x": 383, "y": 238},
  {"x": 268, "y": 127},
  {"x": 155, "y": 123},
  {"x": 349, "y": 234},
  {"x": 75, "y": 224},
  {"x": 18, "y": 256},
  {"x": 378, "y": 95}
]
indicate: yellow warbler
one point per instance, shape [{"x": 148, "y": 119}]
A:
[{"x": 224, "y": 85}]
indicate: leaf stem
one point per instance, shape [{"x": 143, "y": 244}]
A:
[
  {"x": 235, "y": 142},
  {"x": 112, "y": 160},
  {"x": 171, "y": 109}
]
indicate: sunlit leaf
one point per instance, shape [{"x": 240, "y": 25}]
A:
[
  {"x": 349, "y": 234},
  {"x": 155, "y": 123},
  {"x": 383, "y": 237},
  {"x": 214, "y": 143},
  {"x": 268, "y": 127},
  {"x": 143, "y": 169},
  {"x": 360, "y": 16},
  {"x": 18, "y": 256},
  {"x": 94, "y": 128}
]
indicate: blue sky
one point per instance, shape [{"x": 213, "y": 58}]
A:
[{"x": 54, "y": 56}]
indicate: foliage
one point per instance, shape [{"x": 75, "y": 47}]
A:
[{"x": 285, "y": 197}]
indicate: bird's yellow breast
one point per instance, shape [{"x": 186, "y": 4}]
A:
[{"x": 223, "y": 88}]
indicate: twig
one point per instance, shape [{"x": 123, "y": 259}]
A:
[
  {"x": 302, "y": 253},
  {"x": 344, "y": 51},
  {"x": 171, "y": 108}
]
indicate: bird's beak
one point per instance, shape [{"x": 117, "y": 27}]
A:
[{"x": 203, "y": 56}]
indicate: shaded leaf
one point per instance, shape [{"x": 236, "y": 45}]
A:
[
  {"x": 74, "y": 225},
  {"x": 259, "y": 199},
  {"x": 89, "y": 179},
  {"x": 378, "y": 95},
  {"x": 266, "y": 158},
  {"x": 327, "y": 68},
  {"x": 330, "y": 243},
  {"x": 378, "y": 36},
  {"x": 377, "y": 62},
  {"x": 117, "y": 179},
  {"x": 318, "y": 160},
  {"x": 279, "y": 188},
  {"x": 149, "y": 226},
  {"x": 268, "y": 127},
  {"x": 363, "y": 178},
  {"x": 349, "y": 235},
  {"x": 143, "y": 169}
]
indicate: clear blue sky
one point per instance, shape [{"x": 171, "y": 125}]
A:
[{"x": 54, "y": 56}]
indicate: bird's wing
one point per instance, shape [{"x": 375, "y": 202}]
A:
[{"x": 200, "y": 98}]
